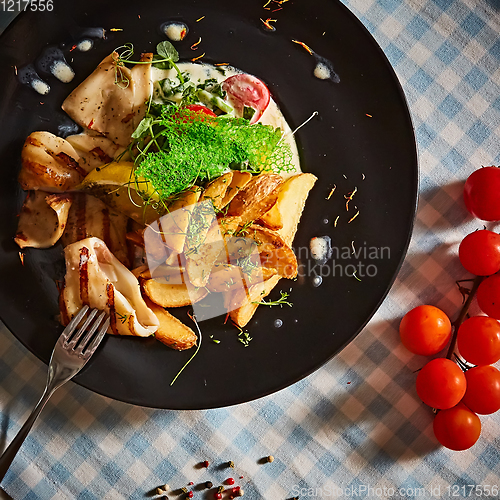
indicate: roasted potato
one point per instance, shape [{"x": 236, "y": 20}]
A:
[
  {"x": 171, "y": 331},
  {"x": 256, "y": 198},
  {"x": 167, "y": 295},
  {"x": 217, "y": 189},
  {"x": 174, "y": 225},
  {"x": 273, "y": 251},
  {"x": 272, "y": 219},
  {"x": 291, "y": 200},
  {"x": 200, "y": 260},
  {"x": 242, "y": 305},
  {"x": 239, "y": 181}
]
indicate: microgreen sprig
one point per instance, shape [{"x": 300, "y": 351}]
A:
[{"x": 280, "y": 302}]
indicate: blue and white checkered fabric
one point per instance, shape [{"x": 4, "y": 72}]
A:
[{"x": 356, "y": 424}]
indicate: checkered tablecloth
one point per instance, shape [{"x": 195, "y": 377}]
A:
[{"x": 355, "y": 427}]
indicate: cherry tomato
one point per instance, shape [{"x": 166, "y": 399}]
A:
[
  {"x": 198, "y": 108},
  {"x": 478, "y": 340},
  {"x": 481, "y": 193},
  {"x": 488, "y": 296},
  {"x": 441, "y": 383},
  {"x": 457, "y": 428},
  {"x": 425, "y": 330},
  {"x": 479, "y": 252},
  {"x": 246, "y": 90},
  {"x": 483, "y": 389}
]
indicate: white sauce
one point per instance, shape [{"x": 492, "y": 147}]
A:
[
  {"x": 40, "y": 86},
  {"x": 271, "y": 116},
  {"x": 321, "y": 247},
  {"x": 85, "y": 45},
  {"x": 322, "y": 71},
  {"x": 62, "y": 71},
  {"x": 175, "y": 31}
]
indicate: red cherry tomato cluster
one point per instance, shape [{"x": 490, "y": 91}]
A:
[{"x": 462, "y": 390}]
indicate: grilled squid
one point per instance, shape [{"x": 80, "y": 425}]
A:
[
  {"x": 111, "y": 101},
  {"x": 88, "y": 217},
  {"x": 95, "y": 277},
  {"x": 49, "y": 163},
  {"x": 94, "y": 150},
  {"x": 42, "y": 219}
]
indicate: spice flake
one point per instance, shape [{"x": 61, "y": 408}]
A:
[
  {"x": 332, "y": 191},
  {"x": 197, "y": 58},
  {"x": 349, "y": 197},
  {"x": 268, "y": 25},
  {"x": 302, "y": 44},
  {"x": 195, "y": 45},
  {"x": 198, "y": 20}
]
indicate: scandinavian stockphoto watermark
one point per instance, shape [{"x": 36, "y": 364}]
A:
[
  {"x": 197, "y": 252},
  {"x": 366, "y": 491}
]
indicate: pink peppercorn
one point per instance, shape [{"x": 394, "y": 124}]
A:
[
  {"x": 235, "y": 489},
  {"x": 229, "y": 480},
  {"x": 190, "y": 494},
  {"x": 218, "y": 496}
]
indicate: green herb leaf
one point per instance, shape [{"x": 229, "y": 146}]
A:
[
  {"x": 166, "y": 50},
  {"x": 143, "y": 127},
  {"x": 161, "y": 62},
  {"x": 248, "y": 112}
]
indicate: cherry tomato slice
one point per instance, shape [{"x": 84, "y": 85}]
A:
[
  {"x": 481, "y": 193},
  {"x": 198, "y": 108},
  {"x": 488, "y": 296},
  {"x": 441, "y": 383},
  {"x": 246, "y": 90},
  {"x": 479, "y": 252},
  {"x": 478, "y": 340},
  {"x": 457, "y": 428},
  {"x": 425, "y": 330},
  {"x": 483, "y": 389}
]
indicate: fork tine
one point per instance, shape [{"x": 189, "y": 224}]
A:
[
  {"x": 97, "y": 339},
  {"x": 72, "y": 343},
  {"x": 90, "y": 333},
  {"x": 68, "y": 331}
]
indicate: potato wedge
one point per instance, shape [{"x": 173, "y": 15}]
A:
[
  {"x": 272, "y": 219},
  {"x": 167, "y": 295},
  {"x": 256, "y": 198},
  {"x": 273, "y": 251},
  {"x": 216, "y": 190},
  {"x": 239, "y": 181},
  {"x": 201, "y": 260},
  {"x": 224, "y": 277},
  {"x": 242, "y": 307},
  {"x": 172, "y": 332},
  {"x": 174, "y": 275},
  {"x": 174, "y": 224},
  {"x": 291, "y": 200}
]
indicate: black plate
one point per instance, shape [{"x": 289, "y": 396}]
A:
[{"x": 342, "y": 146}]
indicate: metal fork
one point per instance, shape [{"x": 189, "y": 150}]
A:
[{"x": 68, "y": 357}]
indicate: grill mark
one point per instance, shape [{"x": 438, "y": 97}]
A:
[
  {"x": 127, "y": 118},
  {"x": 83, "y": 272},
  {"x": 110, "y": 292},
  {"x": 62, "y": 306},
  {"x": 81, "y": 217},
  {"x": 105, "y": 158},
  {"x": 106, "y": 229},
  {"x": 131, "y": 324},
  {"x": 68, "y": 163}
]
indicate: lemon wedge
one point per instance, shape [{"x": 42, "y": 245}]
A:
[{"x": 118, "y": 186}]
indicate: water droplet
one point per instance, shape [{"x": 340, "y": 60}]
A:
[
  {"x": 278, "y": 323},
  {"x": 317, "y": 280}
]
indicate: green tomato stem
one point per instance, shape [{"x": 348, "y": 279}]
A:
[{"x": 463, "y": 314}]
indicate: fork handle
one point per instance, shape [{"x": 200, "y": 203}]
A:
[{"x": 11, "y": 451}]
